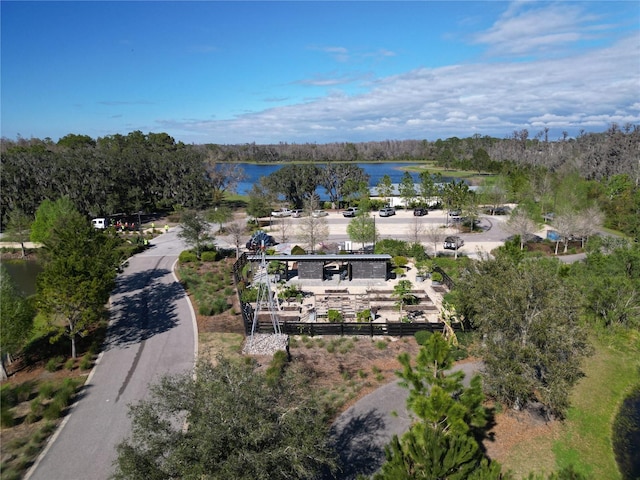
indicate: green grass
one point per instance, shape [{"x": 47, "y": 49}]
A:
[{"x": 584, "y": 439}]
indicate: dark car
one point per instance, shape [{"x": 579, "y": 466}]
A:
[
  {"x": 387, "y": 211},
  {"x": 453, "y": 243},
  {"x": 420, "y": 212},
  {"x": 260, "y": 239}
]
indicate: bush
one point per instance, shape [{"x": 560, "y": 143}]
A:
[
  {"x": 249, "y": 295},
  {"x": 187, "y": 256},
  {"x": 8, "y": 396},
  {"x": 69, "y": 364},
  {"x": 53, "y": 411},
  {"x": 363, "y": 316},
  {"x": 381, "y": 345},
  {"x": 85, "y": 362},
  {"x": 46, "y": 390},
  {"x": 220, "y": 305},
  {"x": 298, "y": 250},
  {"x": 53, "y": 364},
  {"x": 436, "y": 277},
  {"x": 210, "y": 256},
  {"x": 6, "y": 417},
  {"x": 422, "y": 336},
  {"x": 392, "y": 247},
  {"x": 334, "y": 316},
  {"x": 276, "y": 367}
]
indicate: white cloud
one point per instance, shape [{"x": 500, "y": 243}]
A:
[{"x": 586, "y": 90}]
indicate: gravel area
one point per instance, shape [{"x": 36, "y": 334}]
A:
[{"x": 265, "y": 344}]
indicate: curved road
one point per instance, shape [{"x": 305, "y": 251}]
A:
[{"x": 151, "y": 333}]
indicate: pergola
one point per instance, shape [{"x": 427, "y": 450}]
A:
[{"x": 347, "y": 266}]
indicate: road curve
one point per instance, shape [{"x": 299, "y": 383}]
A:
[
  {"x": 152, "y": 333},
  {"x": 360, "y": 434}
]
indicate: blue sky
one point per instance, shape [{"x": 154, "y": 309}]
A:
[{"x": 269, "y": 72}]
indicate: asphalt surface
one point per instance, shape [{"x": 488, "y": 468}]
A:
[
  {"x": 152, "y": 333},
  {"x": 361, "y": 433}
]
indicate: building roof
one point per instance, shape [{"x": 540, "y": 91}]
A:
[{"x": 324, "y": 258}]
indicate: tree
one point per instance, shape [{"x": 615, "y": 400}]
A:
[
  {"x": 226, "y": 421},
  {"x": 260, "y": 201},
  {"x": 428, "y": 188},
  {"x": 362, "y": 228},
  {"x": 520, "y": 224},
  {"x": 78, "y": 276},
  {"x": 295, "y": 181},
  {"x": 18, "y": 227},
  {"x": 416, "y": 230},
  {"x": 407, "y": 189},
  {"x": 220, "y": 215},
  {"x": 283, "y": 227},
  {"x": 587, "y": 223},
  {"x": 384, "y": 188},
  {"x": 533, "y": 341},
  {"x": 435, "y": 235},
  {"x": 341, "y": 180},
  {"x": 443, "y": 443},
  {"x": 47, "y": 215},
  {"x": 16, "y": 320},
  {"x": 194, "y": 230},
  {"x": 312, "y": 230},
  {"x": 565, "y": 225},
  {"x": 402, "y": 291},
  {"x": 223, "y": 178},
  {"x": 237, "y": 233}
]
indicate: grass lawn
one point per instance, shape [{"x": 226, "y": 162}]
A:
[{"x": 584, "y": 439}]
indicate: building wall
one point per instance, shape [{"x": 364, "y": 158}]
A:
[
  {"x": 374, "y": 269},
  {"x": 311, "y": 270}
]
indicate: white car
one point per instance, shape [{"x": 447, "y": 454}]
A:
[
  {"x": 297, "y": 213},
  {"x": 283, "y": 212},
  {"x": 319, "y": 213}
]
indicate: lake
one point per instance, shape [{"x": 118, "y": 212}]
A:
[
  {"x": 23, "y": 273},
  {"x": 375, "y": 171}
]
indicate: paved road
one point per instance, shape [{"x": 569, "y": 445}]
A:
[
  {"x": 361, "y": 433},
  {"x": 151, "y": 334}
]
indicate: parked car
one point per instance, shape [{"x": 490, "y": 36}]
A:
[
  {"x": 319, "y": 213},
  {"x": 283, "y": 212},
  {"x": 420, "y": 212},
  {"x": 260, "y": 239},
  {"x": 455, "y": 213},
  {"x": 297, "y": 213},
  {"x": 453, "y": 242},
  {"x": 350, "y": 212},
  {"x": 387, "y": 211}
]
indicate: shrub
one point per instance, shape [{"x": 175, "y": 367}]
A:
[
  {"x": 228, "y": 291},
  {"x": 53, "y": 411},
  {"x": 298, "y": 250},
  {"x": 363, "y": 316},
  {"x": 436, "y": 277},
  {"x": 210, "y": 256},
  {"x": 46, "y": 390},
  {"x": 249, "y": 295},
  {"x": 53, "y": 364},
  {"x": 276, "y": 367},
  {"x": 381, "y": 345},
  {"x": 220, "y": 305},
  {"x": 6, "y": 417},
  {"x": 422, "y": 336},
  {"x": 85, "y": 362},
  {"x": 8, "y": 396},
  {"x": 400, "y": 261},
  {"x": 69, "y": 364},
  {"x": 187, "y": 256},
  {"x": 334, "y": 316}
]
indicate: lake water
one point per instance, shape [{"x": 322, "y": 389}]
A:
[
  {"x": 375, "y": 171},
  {"x": 23, "y": 273}
]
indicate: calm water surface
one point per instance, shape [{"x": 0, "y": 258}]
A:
[
  {"x": 23, "y": 273},
  {"x": 375, "y": 170}
]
